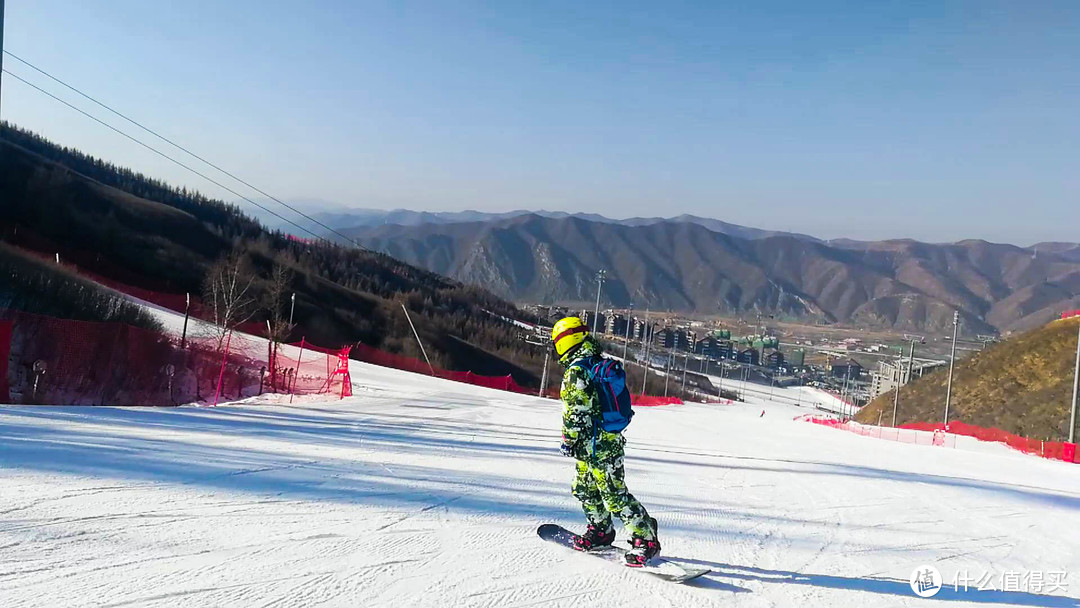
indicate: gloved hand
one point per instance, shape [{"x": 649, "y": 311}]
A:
[{"x": 568, "y": 447}]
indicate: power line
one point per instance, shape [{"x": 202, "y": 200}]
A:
[
  {"x": 158, "y": 152},
  {"x": 185, "y": 150}
]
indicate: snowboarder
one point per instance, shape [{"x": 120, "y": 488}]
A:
[{"x": 599, "y": 483}]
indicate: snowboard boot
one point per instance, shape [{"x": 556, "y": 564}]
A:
[
  {"x": 642, "y": 550},
  {"x": 595, "y": 538}
]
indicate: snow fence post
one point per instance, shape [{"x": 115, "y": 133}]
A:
[
  {"x": 301, "y": 356},
  {"x": 343, "y": 365},
  {"x": 221, "y": 375}
]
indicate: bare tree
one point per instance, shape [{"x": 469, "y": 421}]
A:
[
  {"x": 227, "y": 290},
  {"x": 276, "y": 301}
]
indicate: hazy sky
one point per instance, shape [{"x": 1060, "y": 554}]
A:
[{"x": 932, "y": 120}]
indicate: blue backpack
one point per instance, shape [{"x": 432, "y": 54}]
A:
[{"x": 610, "y": 381}]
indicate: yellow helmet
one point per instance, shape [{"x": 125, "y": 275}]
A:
[{"x": 567, "y": 334}]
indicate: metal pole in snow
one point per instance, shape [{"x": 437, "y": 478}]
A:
[
  {"x": 418, "y": 339},
  {"x": 910, "y": 363},
  {"x": 292, "y": 389},
  {"x": 899, "y": 377},
  {"x": 646, "y": 341},
  {"x": 720, "y": 386},
  {"x": 187, "y": 307},
  {"x": 1076, "y": 385},
  {"x": 667, "y": 367},
  {"x": 685, "y": 364},
  {"x": 543, "y": 377},
  {"x": 952, "y": 361},
  {"x": 629, "y": 322},
  {"x": 221, "y": 376},
  {"x": 599, "y": 286}
]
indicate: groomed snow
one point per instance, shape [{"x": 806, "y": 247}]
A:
[{"x": 421, "y": 492}]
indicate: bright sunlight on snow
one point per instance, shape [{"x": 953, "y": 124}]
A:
[{"x": 421, "y": 492}]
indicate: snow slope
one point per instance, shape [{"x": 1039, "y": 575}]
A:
[
  {"x": 794, "y": 395},
  {"x": 421, "y": 492}
]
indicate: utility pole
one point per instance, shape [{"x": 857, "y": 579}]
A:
[
  {"x": 629, "y": 322},
  {"x": 952, "y": 362},
  {"x": 686, "y": 364},
  {"x": 648, "y": 346},
  {"x": 911, "y": 361},
  {"x": 667, "y": 374},
  {"x": 645, "y": 348},
  {"x": 292, "y": 307},
  {"x": 599, "y": 286},
  {"x": 720, "y": 385},
  {"x": 899, "y": 377},
  {"x": 644, "y": 331},
  {"x": 1076, "y": 385}
]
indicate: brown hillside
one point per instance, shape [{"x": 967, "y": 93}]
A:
[
  {"x": 901, "y": 285},
  {"x": 1022, "y": 385}
]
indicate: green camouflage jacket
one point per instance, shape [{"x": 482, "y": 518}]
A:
[{"x": 581, "y": 412}]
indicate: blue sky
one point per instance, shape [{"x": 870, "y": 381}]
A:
[{"x": 932, "y": 120}]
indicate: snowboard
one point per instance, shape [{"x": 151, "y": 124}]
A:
[{"x": 657, "y": 566}]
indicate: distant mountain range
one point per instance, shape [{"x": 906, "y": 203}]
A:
[
  {"x": 694, "y": 264},
  {"x": 366, "y": 218}
]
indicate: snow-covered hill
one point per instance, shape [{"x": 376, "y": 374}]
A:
[{"x": 420, "y": 492}]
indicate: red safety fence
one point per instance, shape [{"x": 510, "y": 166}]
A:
[
  {"x": 375, "y": 356},
  {"x": 1054, "y": 450},
  {"x": 648, "y": 400},
  {"x": 67, "y": 362},
  {"x": 901, "y": 435},
  {"x": 936, "y": 433}
]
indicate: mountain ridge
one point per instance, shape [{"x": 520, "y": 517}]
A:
[
  {"x": 346, "y": 219},
  {"x": 900, "y": 284}
]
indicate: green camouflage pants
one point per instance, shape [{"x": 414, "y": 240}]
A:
[{"x": 601, "y": 487}]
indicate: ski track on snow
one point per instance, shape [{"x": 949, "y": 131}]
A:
[{"x": 420, "y": 492}]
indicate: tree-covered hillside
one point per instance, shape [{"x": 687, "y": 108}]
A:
[{"x": 131, "y": 228}]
